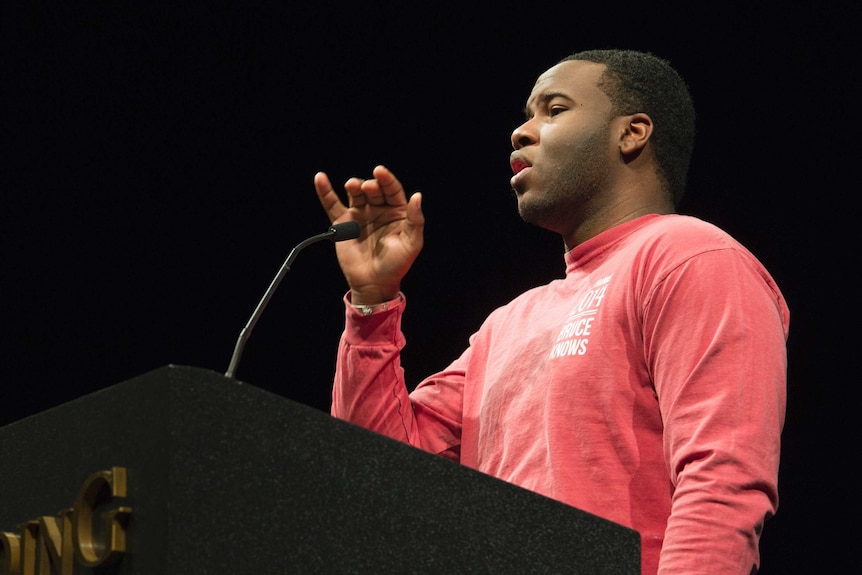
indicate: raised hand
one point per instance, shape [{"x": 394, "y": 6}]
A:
[{"x": 392, "y": 226}]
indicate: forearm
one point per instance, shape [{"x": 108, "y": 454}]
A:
[
  {"x": 715, "y": 526},
  {"x": 370, "y": 390}
]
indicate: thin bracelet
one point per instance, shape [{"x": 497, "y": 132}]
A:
[{"x": 370, "y": 309}]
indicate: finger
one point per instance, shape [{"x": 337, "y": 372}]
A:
[
  {"x": 355, "y": 194},
  {"x": 389, "y": 187},
  {"x": 328, "y": 198},
  {"x": 373, "y": 193}
]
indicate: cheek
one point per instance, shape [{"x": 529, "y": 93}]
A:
[
  {"x": 563, "y": 149},
  {"x": 556, "y": 145}
]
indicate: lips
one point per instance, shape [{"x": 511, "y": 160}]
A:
[
  {"x": 519, "y": 164},
  {"x": 520, "y": 169}
]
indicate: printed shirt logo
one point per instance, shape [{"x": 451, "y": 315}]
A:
[{"x": 574, "y": 336}]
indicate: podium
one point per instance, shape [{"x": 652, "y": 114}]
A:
[{"x": 227, "y": 478}]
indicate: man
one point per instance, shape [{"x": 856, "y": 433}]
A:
[{"x": 648, "y": 385}]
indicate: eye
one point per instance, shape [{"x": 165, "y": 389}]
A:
[{"x": 554, "y": 110}]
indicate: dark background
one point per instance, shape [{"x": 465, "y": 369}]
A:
[{"x": 157, "y": 169}]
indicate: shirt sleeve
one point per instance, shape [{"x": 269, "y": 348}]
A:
[
  {"x": 369, "y": 388},
  {"x": 715, "y": 333}
]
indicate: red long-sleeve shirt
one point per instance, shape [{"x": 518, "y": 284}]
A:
[{"x": 648, "y": 387}]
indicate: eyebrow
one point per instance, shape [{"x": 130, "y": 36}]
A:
[{"x": 543, "y": 98}]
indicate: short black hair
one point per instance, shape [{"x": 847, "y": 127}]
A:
[{"x": 643, "y": 82}]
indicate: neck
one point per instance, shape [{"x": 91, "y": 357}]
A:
[{"x": 625, "y": 206}]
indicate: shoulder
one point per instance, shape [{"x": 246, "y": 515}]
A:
[
  {"x": 681, "y": 237},
  {"x": 687, "y": 229},
  {"x": 690, "y": 249},
  {"x": 700, "y": 255}
]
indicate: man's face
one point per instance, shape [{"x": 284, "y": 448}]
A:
[{"x": 563, "y": 152}]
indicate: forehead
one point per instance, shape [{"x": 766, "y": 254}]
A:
[{"x": 576, "y": 79}]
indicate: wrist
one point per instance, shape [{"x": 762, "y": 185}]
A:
[{"x": 372, "y": 297}]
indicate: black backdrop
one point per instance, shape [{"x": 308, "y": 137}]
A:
[{"x": 157, "y": 166}]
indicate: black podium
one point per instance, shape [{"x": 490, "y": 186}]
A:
[{"x": 226, "y": 478}]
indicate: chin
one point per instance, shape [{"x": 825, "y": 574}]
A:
[
  {"x": 545, "y": 215},
  {"x": 529, "y": 213}
]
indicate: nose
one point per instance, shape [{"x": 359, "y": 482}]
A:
[{"x": 524, "y": 135}]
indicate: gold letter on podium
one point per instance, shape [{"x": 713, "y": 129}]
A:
[{"x": 99, "y": 489}]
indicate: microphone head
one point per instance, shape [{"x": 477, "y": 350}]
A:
[{"x": 349, "y": 230}]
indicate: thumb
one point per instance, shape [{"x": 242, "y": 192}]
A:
[
  {"x": 415, "y": 217},
  {"x": 415, "y": 222}
]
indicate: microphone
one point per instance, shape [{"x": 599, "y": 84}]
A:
[{"x": 337, "y": 233}]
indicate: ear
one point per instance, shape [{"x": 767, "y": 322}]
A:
[{"x": 635, "y": 135}]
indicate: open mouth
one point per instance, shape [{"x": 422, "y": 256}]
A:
[{"x": 519, "y": 165}]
